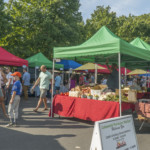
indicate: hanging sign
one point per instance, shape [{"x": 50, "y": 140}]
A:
[
  {"x": 24, "y": 66},
  {"x": 70, "y": 70},
  {"x": 114, "y": 134},
  {"x": 37, "y": 67},
  {"x": 57, "y": 60}
]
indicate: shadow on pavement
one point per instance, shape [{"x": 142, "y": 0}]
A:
[{"x": 15, "y": 140}]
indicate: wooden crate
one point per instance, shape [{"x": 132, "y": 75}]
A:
[{"x": 132, "y": 96}]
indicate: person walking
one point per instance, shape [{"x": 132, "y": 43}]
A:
[
  {"x": 8, "y": 86},
  {"x": 26, "y": 83},
  {"x": 15, "y": 100},
  {"x": 2, "y": 76},
  {"x": 44, "y": 79}
]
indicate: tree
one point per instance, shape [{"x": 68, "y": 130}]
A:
[
  {"x": 5, "y": 26},
  {"x": 39, "y": 25},
  {"x": 101, "y": 16},
  {"x": 134, "y": 26}
]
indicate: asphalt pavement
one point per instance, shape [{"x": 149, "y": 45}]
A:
[{"x": 36, "y": 131}]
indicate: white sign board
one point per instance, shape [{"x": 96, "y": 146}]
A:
[
  {"x": 58, "y": 60},
  {"x": 114, "y": 134}
]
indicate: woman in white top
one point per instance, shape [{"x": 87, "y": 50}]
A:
[
  {"x": 2, "y": 76},
  {"x": 8, "y": 86}
]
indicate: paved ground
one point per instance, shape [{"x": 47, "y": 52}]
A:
[{"x": 36, "y": 131}]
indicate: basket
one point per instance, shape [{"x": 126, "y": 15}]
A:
[
  {"x": 122, "y": 91},
  {"x": 74, "y": 93},
  {"x": 96, "y": 92},
  {"x": 132, "y": 96},
  {"x": 102, "y": 86}
]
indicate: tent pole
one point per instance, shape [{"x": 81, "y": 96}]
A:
[
  {"x": 148, "y": 79},
  {"x": 35, "y": 81},
  {"x": 119, "y": 62},
  {"x": 95, "y": 73},
  {"x": 35, "y": 73},
  {"x": 69, "y": 78},
  {"x": 125, "y": 76},
  {"x": 52, "y": 86}
]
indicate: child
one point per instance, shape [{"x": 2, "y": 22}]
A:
[{"x": 15, "y": 99}]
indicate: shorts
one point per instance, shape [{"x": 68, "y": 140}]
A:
[
  {"x": 43, "y": 93},
  {"x": 57, "y": 88},
  {"x": 1, "y": 93}
]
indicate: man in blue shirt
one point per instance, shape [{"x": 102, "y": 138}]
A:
[
  {"x": 26, "y": 83},
  {"x": 15, "y": 99},
  {"x": 57, "y": 83}
]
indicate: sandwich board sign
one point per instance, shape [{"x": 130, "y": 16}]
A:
[{"x": 114, "y": 134}]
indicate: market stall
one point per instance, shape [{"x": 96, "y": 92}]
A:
[
  {"x": 9, "y": 59},
  {"x": 69, "y": 64},
  {"x": 104, "y": 44},
  {"x": 90, "y": 66},
  {"x": 39, "y": 59},
  {"x": 87, "y": 109}
]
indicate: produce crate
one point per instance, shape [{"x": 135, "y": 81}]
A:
[
  {"x": 74, "y": 93},
  {"x": 96, "y": 92},
  {"x": 122, "y": 91},
  {"x": 132, "y": 96},
  {"x": 102, "y": 86}
]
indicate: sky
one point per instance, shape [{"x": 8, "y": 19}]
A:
[{"x": 121, "y": 7}]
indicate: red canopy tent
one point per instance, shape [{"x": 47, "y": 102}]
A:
[
  {"x": 106, "y": 71},
  {"x": 9, "y": 59}
]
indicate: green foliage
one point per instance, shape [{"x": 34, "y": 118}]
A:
[
  {"x": 134, "y": 26},
  {"x": 5, "y": 26},
  {"x": 101, "y": 16},
  {"x": 39, "y": 25},
  {"x": 31, "y": 26},
  {"x": 128, "y": 28}
]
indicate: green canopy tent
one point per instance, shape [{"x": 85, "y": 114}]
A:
[
  {"x": 39, "y": 59},
  {"x": 140, "y": 44},
  {"x": 104, "y": 44}
]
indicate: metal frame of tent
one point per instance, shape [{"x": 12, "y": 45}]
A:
[{"x": 97, "y": 50}]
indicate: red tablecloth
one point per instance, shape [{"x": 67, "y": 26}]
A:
[
  {"x": 126, "y": 106},
  {"x": 143, "y": 95},
  {"x": 87, "y": 109}
]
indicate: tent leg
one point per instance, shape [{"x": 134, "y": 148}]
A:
[
  {"x": 95, "y": 73},
  {"x": 52, "y": 86},
  {"x": 148, "y": 79},
  {"x": 69, "y": 79},
  {"x": 35, "y": 81},
  {"x": 119, "y": 63},
  {"x": 125, "y": 76}
]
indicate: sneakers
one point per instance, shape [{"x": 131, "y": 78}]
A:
[
  {"x": 14, "y": 125},
  {"x": 9, "y": 125},
  {"x": 45, "y": 109},
  {"x": 35, "y": 110},
  {"x": 6, "y": 116}
]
